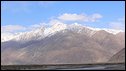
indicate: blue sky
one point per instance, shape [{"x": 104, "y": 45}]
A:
[{"x": 23, "y": 13}]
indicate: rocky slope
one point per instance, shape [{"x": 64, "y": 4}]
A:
[{"x": 62, "y": 44}]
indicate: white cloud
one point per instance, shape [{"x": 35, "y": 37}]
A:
[
  {"x": 12, "y": 28},
  {"x": 71, "y": 17},
  {"x": 119, "y": 24},
  {"x": 54, "y": 21},
  {"x": 116, "y": 25},
  {"x": 95, "y": 17},
  {"x": 35, "y": 26},
  {"x": 80, "y": 17}
]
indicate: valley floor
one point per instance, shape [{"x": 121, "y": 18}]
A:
[{"x": 99, "y": 66}]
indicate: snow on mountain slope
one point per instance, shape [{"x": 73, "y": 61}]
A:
[
  {"x": 42, "y": 32},
  {"x": 30, "y": 35},
  {"x": 6, "y": 36},
  {"x": 112, "y": 31},
  {"x": 55, "y": 28}
]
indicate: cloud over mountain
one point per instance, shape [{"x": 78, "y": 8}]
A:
[
  {"x": 12, "y": 28},
  {"x": 80, "y": 17}
]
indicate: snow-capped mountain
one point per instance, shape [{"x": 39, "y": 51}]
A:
[
  {"x": 62, "y": 43},
  {"x": 42, "y": 32},
  {"x": 6, "y": 36}
]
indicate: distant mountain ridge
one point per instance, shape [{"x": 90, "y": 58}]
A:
[
  {"x": 43, "y": 32},
  {"x": 60, "y": 44}
]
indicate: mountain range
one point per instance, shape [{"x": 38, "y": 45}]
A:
[{"x": 62, "y": 44}]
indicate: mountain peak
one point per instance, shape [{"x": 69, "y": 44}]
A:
[{"x": 56, "y": 26}]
